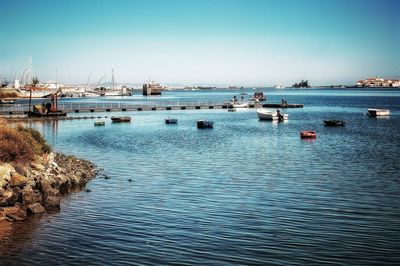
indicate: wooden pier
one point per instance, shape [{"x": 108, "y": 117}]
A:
[{"x": 76, "y": 107}]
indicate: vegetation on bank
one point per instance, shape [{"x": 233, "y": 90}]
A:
[
  {"x": 32, "y": 178},
  {"x": 8, "y": 94},
  {"x": 19, "y": 145}
]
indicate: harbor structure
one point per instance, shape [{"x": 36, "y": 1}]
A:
[
  {"x": 152, "y": 88},
  {"x": 378, "y": 83}
]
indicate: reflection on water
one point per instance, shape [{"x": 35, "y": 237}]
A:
[{"x": 246, "y": 192}]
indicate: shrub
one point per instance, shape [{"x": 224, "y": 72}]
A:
[
  {"x": 19, "y": 145},
  {"x": 36, "y": 139},
  {"x": 8, "y": 94},
  {"x": 13, "y": 147}
]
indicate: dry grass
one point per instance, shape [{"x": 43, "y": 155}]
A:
[
  {"x": 8, "y": 94},
  {"x": 3, "y": 122},
  {"x": 19, "y": 145}
]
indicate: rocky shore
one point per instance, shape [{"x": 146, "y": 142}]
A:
[{"x": 41, "y": 185}]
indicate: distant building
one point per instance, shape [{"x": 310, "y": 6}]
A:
[
  {"x": 378, "y": 83},
  {"x": 152, "y": 88}
]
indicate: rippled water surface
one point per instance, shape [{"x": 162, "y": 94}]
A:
[{"x": 246, "y": 192}]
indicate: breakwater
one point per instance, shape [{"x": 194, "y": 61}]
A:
[{"x": 41, "y": 186}]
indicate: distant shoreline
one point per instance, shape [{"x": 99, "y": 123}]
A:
[{"x": 9, "y": 93}]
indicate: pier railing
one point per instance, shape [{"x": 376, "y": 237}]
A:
[
  {"x": 115, "y": 106},
  {"x": 76, "y": 107}
]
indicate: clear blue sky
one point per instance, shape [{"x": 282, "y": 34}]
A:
[{"x": 238, "y": 42}]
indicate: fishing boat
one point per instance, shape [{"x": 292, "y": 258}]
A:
[
  {"x": 308, "y": 134},
  {"x": 264, "y": 114},
  {"x": 334, "y": 123},
  {"x": 171, "y": 120},
  {"x": 259, "y": 97},
  {"x": 99, "y": 123},
  {"x": 378, "y": 112},
  {"x": 204, "y": 124},
  {"x": 239, "y": 105},
  {"x": 120, "y": 119}
]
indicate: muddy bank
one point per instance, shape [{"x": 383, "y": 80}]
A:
[{"x": 41, "y": 185}]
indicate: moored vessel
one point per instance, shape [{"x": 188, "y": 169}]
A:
[
  {"x": 334, "y": 123},
  {"x": 264, "y": 114},
  {"x": 308, "y": 134},
  {"x": 99, "y": 123},
  {"x": 170, "y": 120},
  {"x": 205, "y": 124},
  {"x": 120, "y": 119},
  {"x": 378, "y": 112}
]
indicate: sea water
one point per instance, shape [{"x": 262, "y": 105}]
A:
[{"x": 247, "y": 192}]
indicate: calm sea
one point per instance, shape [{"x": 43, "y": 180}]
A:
[{"x": 246, "y": 192}]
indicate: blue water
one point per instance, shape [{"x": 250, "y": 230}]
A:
[{"x": 246, "y": 192}]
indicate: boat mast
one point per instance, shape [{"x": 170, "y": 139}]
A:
[
  {"x": 30, "y": 76},
  {"x": 87, "y": 84},
  {"x": 112, "y": 79}
]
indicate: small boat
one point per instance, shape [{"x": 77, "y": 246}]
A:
[
  {"x": 308, "y": 134},
  {"x": 171, "y": 120},
  {"x": 378, "y": 112},
  {"x": 99, "y": 123},
  {"x": 334, "y": 123},
  {"x": 204, "y": 124},
  {"x": 231, "y": 110},
  {"x": 259, "y": 97},
  {"x": 120, "y": 119},
  {"x": 264, "y": 114},
  {"x": 239, "y": 105}
]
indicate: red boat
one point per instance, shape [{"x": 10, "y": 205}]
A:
[{"x": 308, "y": 134}]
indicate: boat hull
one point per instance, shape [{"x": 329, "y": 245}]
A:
[
  {"x": 378, "y": 112},
  {"x": 239, "y": 105},
  {"x": 126, "y": 119},
  {"x": 334, "y": 123},
  {"x": 308, "y": 134},
  {"x": 205, "y": 124},
  {"x": 270, "y": 115},
  {"x": 99, "y": 123},
  {"x": 171, "y": 121},
  {"x": 48, "y": 114}
]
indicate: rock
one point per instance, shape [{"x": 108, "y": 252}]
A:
[
  {"x": 45, "y": 186},
  {"x": 5, "y": 174},
  {"x": 3, "y": 202},
  {"x": 12, "y": 195},
  {"x": 18, "y": 180},
  {"x": 37, "y": 166},
  {"x": 14, "y": 217},
  {"x": 30, "y": 196},
  {"x": 52, "y": 202},
  {"x": 65, "y": 187},
  {"x": 35, "y": 208},
  {"x": 16, "y": 213}
]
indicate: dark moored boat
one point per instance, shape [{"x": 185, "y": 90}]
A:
[
  {"x": 334, "y": 123},
  {"x": 120, "y": 119},
  {"x": 171, "y": 120},
  {"x": 99, "y": 123},
  {"x": 204, "y": 124}
]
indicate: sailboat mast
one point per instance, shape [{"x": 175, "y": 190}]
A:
[{"x": 112, "y": 79}]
